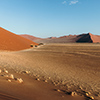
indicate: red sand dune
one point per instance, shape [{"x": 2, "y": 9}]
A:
[
  {"x": 95, "y": 38},
  {"x": 90, "y": 38},
  {"x": 30, "y": 37},
  {"x": 12, "y": 42},
  {"x": 83, "y": 38}
]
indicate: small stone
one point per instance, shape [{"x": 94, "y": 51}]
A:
[
  {"x": 11, "y": 76},
  {"x": 9, "y": 80},
  {"x": 5, "y": 70},
  {"x": 0, "y": 70},
  {"x": 87, "y": 94},
  {"x": 37, "y": 79},
  {"x": 92, "y": 97},
  {"x": 27, "y": 72},
  {"x": 73, "y": 94},
  {"x": 19, "y": 80},
  {"x": 46, "y": 81},
  {"x": 58, "y": 90}
]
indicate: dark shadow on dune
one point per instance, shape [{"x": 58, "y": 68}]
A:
[{"x": 83, "y": 38}]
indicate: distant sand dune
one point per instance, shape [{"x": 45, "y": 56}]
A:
[
  {"x": 30, "y": 37},
  {"x": 83, "y": 38}
]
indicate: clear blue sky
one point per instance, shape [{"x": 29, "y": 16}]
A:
[{"x": 45, "y": 18}]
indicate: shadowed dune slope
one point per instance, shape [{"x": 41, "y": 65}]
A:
[
  {"x": 84, "y": 38},
  {"x": 90, "y": 38},
  {"x": 30, "y": 37},
  {"x": 12, "y": 42}
]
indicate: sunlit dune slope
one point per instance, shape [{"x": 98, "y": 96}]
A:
[
  {"x": 30, "y": 37},
  {"x": 12, "y": 42},
  {"x": 95, "y": 38}
]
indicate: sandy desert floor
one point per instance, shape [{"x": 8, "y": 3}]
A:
[{"x": 55, "y": 71}]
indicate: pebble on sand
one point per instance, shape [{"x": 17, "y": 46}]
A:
[
  {"x": 20, "y": 80},
  {"x": 73, "y": 94},
  {"x": 37, "y": 79},
  {"x": 6, "y": 71},
  {"x": 9, "y": 80},
  {"x": 0, "y": 70},
  {"x": 58, "y": 90},
  {"x": 87, "y": 94},
  {"x": 92, "y": 97},
  {"x": 11, "y": 76},
  {"x": 46, "y": 81},
  {"x": 27, "y": 72}
]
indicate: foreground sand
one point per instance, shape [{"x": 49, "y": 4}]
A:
[
  {"x": 30, "y": 89},
  {"x": 68, "y": 67}
]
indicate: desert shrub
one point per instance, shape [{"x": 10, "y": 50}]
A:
[
  {"x": 31, "y": 45},
  {"x": 41, "y": 44},
  {"x": 35, "y": 45}
]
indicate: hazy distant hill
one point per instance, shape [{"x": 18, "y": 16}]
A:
[
  {"x": 58, "y": 40},
  {"x": 30, "y": 37},
  {"x": 82, "y": 38}
]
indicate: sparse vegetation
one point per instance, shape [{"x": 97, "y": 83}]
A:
[
  {"x": 31, "y": 45},
  {"x": 41, "y": 44},
  {"x": 35, "y": 45}
]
